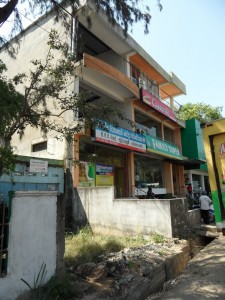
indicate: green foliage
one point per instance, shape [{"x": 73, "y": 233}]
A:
[
  {"x": 54, "y": 289},
  {"x": 199, "y": 111},
  {"x": 126, "y": 13},
  {"x": 157, "y": 238},
  {"x": 37, "y": 283},
  {"x": 87, "y": 247},
  {"x": 46, "y": 95}
]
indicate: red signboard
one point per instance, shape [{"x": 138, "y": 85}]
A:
[{"x": 158, "y": 105}]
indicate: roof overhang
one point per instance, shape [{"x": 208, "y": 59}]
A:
[
  {"x": 169, "y": 84},
  {"x": 188, "y": 162}
]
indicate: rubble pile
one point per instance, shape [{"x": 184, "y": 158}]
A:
[{"x": 116, "y": 275}]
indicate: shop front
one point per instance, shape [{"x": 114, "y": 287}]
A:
[
  {"x": 159, "y": 168},
  {"x": 131, "y": 162},
  {"x": 104, "y": 158}
]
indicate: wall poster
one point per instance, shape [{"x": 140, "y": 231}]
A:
[{"x": 104, "y": 175}]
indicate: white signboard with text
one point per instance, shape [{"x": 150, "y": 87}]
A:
[{"x": 38, "y": 166}]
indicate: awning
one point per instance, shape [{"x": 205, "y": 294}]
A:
[{"x": 189, "y": 162}]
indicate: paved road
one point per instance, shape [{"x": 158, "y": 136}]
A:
[{"x": 204, "y": 278}]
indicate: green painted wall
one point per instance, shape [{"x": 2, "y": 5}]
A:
[{"x": 192, "y": 141}]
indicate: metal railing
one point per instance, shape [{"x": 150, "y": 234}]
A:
[
  {"x": 143, "y": 81},
  {"x": 121, "y": 193},
  {"x": 135, "y": 193}
]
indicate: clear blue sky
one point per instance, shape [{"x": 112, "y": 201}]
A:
[{"x": 188, "y": 38}]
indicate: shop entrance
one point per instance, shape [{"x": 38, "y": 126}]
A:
[{"x": 119, "y": 182}]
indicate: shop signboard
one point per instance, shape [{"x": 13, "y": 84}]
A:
[
  {"x": 86, "y": 174},
  {"x": 219, "y": 147},
  {"x": 158, "y": 105},
  {"x": 104, "y": 175},
  {"x": 161, "y": 147},
  {"x": 109, "y": 134},
  {"x": 38, "y": 166}
]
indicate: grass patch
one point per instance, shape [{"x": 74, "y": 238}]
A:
[
  {"x": 87, "y": 247},
  {"x": 157, "y": 238}
]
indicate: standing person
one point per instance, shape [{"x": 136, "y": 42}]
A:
[
  {"x": 189, "y": 196},
  {"x": 189, "y": 189},
  {"x": 205, "y": 203}
]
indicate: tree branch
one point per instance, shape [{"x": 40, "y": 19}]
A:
[{"x": 7, "y": 10}]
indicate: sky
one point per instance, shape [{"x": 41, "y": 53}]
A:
[{"x": 188, "y": 38}]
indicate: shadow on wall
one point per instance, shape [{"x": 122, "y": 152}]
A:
[{"x": 75, "y": 215}]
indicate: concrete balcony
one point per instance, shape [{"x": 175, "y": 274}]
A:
[{"x": 106, "y": 78}]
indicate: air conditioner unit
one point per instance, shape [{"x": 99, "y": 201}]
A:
[{"x": 141, "y": 83}]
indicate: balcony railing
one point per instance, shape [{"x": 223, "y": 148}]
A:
[{"x": 143, "y": 81}]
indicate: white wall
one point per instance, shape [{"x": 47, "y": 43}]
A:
[
  {"x": 119, "y": 216},
  {"x": 32, "y": 241},
  {"x": 33, "y": 46}
]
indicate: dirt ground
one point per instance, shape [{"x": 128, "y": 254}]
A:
[{"x": 117, "y": 275}]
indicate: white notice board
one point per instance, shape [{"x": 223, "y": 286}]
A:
[{"x": 38, "y": 166}]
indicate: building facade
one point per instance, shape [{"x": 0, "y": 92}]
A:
[
  {"x": 113, "y": 69},
  {"x": 214, "y": 144},
  {"x": 195, "y": 169}
]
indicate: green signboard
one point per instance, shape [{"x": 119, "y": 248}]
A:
[{"x": 160, "y": 147}]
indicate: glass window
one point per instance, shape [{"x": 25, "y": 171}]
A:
[
  {"x": 86, "y": 150},
  {"x": 39, "y": 147},
  {"x": 102, "y": 155},
  {"x": 196, "y": 182},
  {"x": 169, "y": 135},
  {"x": 148, "y": 170},
  {"x": 148, "y": 125}
]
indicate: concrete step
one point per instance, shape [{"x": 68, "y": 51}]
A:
[{"x": 206, "y": 227}]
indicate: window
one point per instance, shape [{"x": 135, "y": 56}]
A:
[
  {"x": 169, "y": 135},
  {"x": 149, "y": 170},
  {"x": 39, "y": 147},
  {"x": 148, "y": 125}
]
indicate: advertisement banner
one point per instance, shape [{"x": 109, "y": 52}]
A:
[
  {"x": 161, "y": 147},
  {"x": 109, "y": 134},
  {"x": 104, "y": 175},
  {"x": 219, "y": 144},
  {"x": 86, "y": 174},
  {"x": 158, "y": 105}
]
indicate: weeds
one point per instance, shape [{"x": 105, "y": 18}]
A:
[
  {"x": 37, "y": 283},
  {"x": 158, "y": 238},
  {"x": 54, "y": 289},
  {"x": 81, "y": 248},
  {"x": 87, "y": 247}
]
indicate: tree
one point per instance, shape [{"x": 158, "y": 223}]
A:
[
  {"x": 200, "y": 111},
  {"x": 49, "y": 79},
  {"x": 124, "y": 12}
]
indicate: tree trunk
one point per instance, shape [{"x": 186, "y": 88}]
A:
[{"x": 6, "y": 10}]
